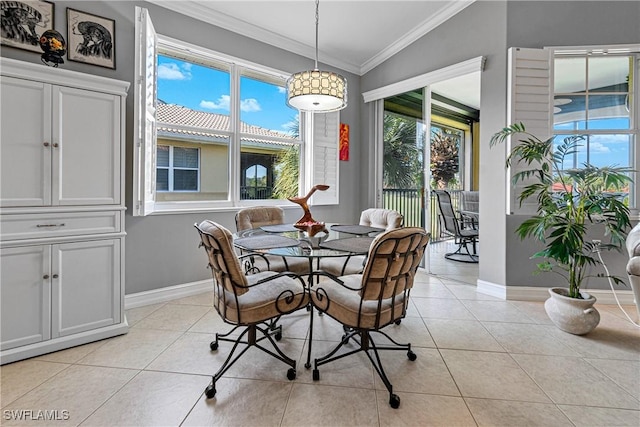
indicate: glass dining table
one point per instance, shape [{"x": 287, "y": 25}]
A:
[{"x": 285, "y": 240}]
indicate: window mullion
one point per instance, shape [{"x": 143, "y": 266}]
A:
[
  {"x": 171, "y": 170},
  {"x": 234, "y": 150}
]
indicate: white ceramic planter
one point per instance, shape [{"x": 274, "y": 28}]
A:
[{"x": 573, "y": 315}]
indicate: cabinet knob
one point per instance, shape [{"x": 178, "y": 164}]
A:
[
  {"x": 46, "y": 144},
  {"x": 45, "y": 277},
  {"x": 55, "y": 276},
  {"x": 55, "y": 145}
]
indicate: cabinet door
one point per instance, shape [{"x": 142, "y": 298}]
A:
[
  {"x": 86, "y": 291},
  {"x": 86, "y": 160},
  {"x": 25, "y": 295},
  {"x": 25, "y": 132}
]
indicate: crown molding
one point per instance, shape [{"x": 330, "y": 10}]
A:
[
  {"x": 196, "y": 10},
  {"x": 420, "y": 30}
]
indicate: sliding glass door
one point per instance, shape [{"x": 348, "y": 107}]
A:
[{"x": 416, "y": 161}]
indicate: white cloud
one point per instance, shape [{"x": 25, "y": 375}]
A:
[
  {"x": 611, "y": 139},
  {"x": 250, "y": 105},
  {"x": 222, "y": 103},
  {"x": 171, "y": 71},
  {"x": 597, "y": 147}
]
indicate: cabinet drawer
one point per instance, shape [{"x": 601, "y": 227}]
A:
[{"x": 34, "y": 226}]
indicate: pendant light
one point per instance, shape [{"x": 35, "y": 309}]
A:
[{"x": 315, "y": 90}]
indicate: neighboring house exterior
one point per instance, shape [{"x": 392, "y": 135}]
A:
[{"x": 200, "y": 134}]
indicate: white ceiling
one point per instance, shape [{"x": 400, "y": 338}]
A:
[{"x": 354, "y": 35}]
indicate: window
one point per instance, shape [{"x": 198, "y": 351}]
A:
[
  {"x": 589, "y": 91},
  {"x": 592, "y": 97},
  {"x": 178, "y": 168},
  {"x": 216, "y": 132}
]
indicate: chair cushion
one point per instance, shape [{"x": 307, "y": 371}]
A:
[
  {"x": 336, "y": 265},
  {"x": 381, "y": 218},
  {"x": 257, "y": 216},
  {"x": 265, "y": 301},
  {"x": 348, "y": 307},
  {"x": 225, "y": 258},
  {"x": 386, "y": 270}
]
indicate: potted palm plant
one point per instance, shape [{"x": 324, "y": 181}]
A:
[{"x": 568, "y": 202}]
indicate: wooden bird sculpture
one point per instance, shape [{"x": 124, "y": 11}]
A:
[{"x": 307, "y": 223}]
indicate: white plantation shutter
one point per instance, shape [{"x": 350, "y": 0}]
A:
[
  {"x": 529, "y": 100},
  {"x": 144, "y": 165},
  {"x": 324, "y": 157}
]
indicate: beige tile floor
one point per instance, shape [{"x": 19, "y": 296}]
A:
[{"x": 481, "y": 362}]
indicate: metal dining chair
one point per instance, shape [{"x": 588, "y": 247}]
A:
[
  {"x": 386, "y": 219},
  {"x": 367, "y": 303},
  {"x": 252, "y": 302},
  {"x": 259, "y": 216}
]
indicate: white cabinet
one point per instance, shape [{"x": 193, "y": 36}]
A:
[
  {"x": 61, "y": 209},
  {"x": 58, "y": 144},
  {"x": 26, "y": 296}
]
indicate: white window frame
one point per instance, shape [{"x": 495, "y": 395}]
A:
[
  {"x": 530, "y": 101},
  {"x": 172, "y": 168},
  {"x": 314, "y": 146}
]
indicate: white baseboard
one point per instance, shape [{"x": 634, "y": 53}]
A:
[
  {"x": 488, "y": 288},
  {"x": 168, "y": 293},
  {"x": 529, "y": 293},
  {"x": 513, "y": 293}
]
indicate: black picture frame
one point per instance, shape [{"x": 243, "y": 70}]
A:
[
  {"x": 91, "y": 39},
  {"x": 24, "y": 21}
]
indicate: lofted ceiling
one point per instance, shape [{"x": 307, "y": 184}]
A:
[{"x": 354, "y": 35}]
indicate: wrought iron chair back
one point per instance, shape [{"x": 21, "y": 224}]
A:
[{"x": 368, "y": 302}]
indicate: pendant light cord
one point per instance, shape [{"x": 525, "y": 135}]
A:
[{"x": 317, "y": 21}]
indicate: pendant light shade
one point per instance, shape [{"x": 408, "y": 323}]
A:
[{"x": 315, "y": 90}]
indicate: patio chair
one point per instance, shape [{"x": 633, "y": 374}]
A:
[{"x": 453, "y": 225}]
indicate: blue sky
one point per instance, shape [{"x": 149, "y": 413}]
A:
[{"x": 207, "y": 89}]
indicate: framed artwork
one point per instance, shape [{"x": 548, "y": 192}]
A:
[
  {"x": 91, "y": 39},
  {"x": 24, "y": 21},
  {"x": 344, "y": 141}
]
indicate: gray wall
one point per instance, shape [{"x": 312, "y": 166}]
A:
[
  {"x": 479, "y": 30},
  {"x": 489, "y": 29},
  {"x": 162, "y": 250},
  {"x": 540, "y": 24}
]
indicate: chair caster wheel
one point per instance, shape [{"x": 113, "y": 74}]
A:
[
  {"x": 278, "y": 335},
  {"x": 316, "y": 375},
  {"x": 210, "y": 391},
  {"x": 214, "y": 345},
  {"x": 291, "y": 374},
  {"x": 307, "y": 365},
  {"x": 394, "y": 401},
  {"x": 397, "y": 322},
  {"x": 411, "y": 355}
]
